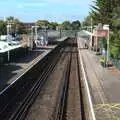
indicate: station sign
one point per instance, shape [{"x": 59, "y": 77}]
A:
[{"x": 101, "y": 33}]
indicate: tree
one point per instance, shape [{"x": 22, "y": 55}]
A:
[
  {"x": 116, "y": 18},
  {"x": 52, "y": 25},
  {"x": 87, "y": 21},
  {"x": 66, "y": 25},
  {"x": 2, "y": 27},
  {"x": 108, "y": 12},
  {"x": 76, "y": 25},
  {"x": 103, "y": 11},
  {"x": 16, "y": 25},
  {"x": 115, "y": 45},
  {"x": 42, "y": 23},
  {"x": 104, "y": 43}
]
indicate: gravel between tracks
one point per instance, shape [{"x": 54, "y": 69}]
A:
[
  {"x": 43, "y": 107},
  {"x": 73, "y": 109},
  {"x": 45, "y": 104}
]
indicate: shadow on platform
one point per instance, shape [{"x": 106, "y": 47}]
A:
[
  {"x": 7, "y": 72},
  {"x": 28, "y": 58}
]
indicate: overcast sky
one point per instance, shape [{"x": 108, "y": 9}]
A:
[{"x": 52, "y": 10}]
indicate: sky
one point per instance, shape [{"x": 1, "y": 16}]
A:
[{"x": 52, "y": 10}]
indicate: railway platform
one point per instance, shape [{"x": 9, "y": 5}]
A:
[
  {"x": 12, "y": 70},
  {"x": 20, "y": 94},
  {"x": 104, "y": 86}
]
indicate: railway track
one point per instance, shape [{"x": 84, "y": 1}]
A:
[
  {"x": 70, "y": 105},
  {"x": 46, "y": 101},
  {"x": 18, "y": 97},
  {"x": 62, "y": 76}
]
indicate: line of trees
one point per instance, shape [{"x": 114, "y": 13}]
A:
[
  {"x": 3, "y": 29},
  {"x": 19, "y": 26},
  {"x": 107, "y": 12},
  {"x": 66, "y": 25}
]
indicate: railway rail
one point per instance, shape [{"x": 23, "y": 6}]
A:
[
  {"x": 18, "y": 99},
  {"x": 70, "y": 105},
  {"x": 46, "y": 101}
]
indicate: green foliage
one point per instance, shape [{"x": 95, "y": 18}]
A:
[
  {"x": 53, "y": 25},
  {"x": 42, "y": 23},
  {"x": 107, "y": 12},
  {"x": 87, "y": 21},
  {"x": 2, "y": 28},
  {"x": 76, "y": 25},
  {"x": 104, "y": 11},
  {"x": 10, "y": 18},
  {"x": 17, "y": 25},
  {"x": 116, "y": 18},
  {"x": 115, "y": 45},
  {"x": 45, "y": 23},
  {"x": 66, "y": 25},
  {"x": 104, "y": 43}
]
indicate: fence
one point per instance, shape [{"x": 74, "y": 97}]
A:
[{"x": 116, "y": 63}]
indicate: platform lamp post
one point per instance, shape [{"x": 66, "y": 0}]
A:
[
  {"x": 46, "y": 40},
  {"x": 60, "y": 30},
  {"x": 45, "y": 28},
  {"x": 8, "y": 31},
  {"x": 9, "y": 26},
  {"x": 32, "y": 37},
  {"x": 33, "y": 29},
  {"x": 17, "y": 29},
  {"x": 90, "y": 44},
  {"x": 91, "y": 24},
  {"x": 36, "y": 32},
  {"x": 46, "y": 33}
]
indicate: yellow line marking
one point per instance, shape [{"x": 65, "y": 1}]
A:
[{"x": 103, "y": 106}]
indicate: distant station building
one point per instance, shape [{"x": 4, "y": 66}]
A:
[
  {"x": 94, "y": 39},
  {"x": 98, "y": 34}
]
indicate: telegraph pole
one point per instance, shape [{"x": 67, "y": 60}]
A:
[
  {"x": 33, "y": 41},
  {"x": 91, "y": 32},
  {"x": 108, "y": 39},
  {"x": 91, "y": 24},
  {"x": 9, "y": 26}
]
